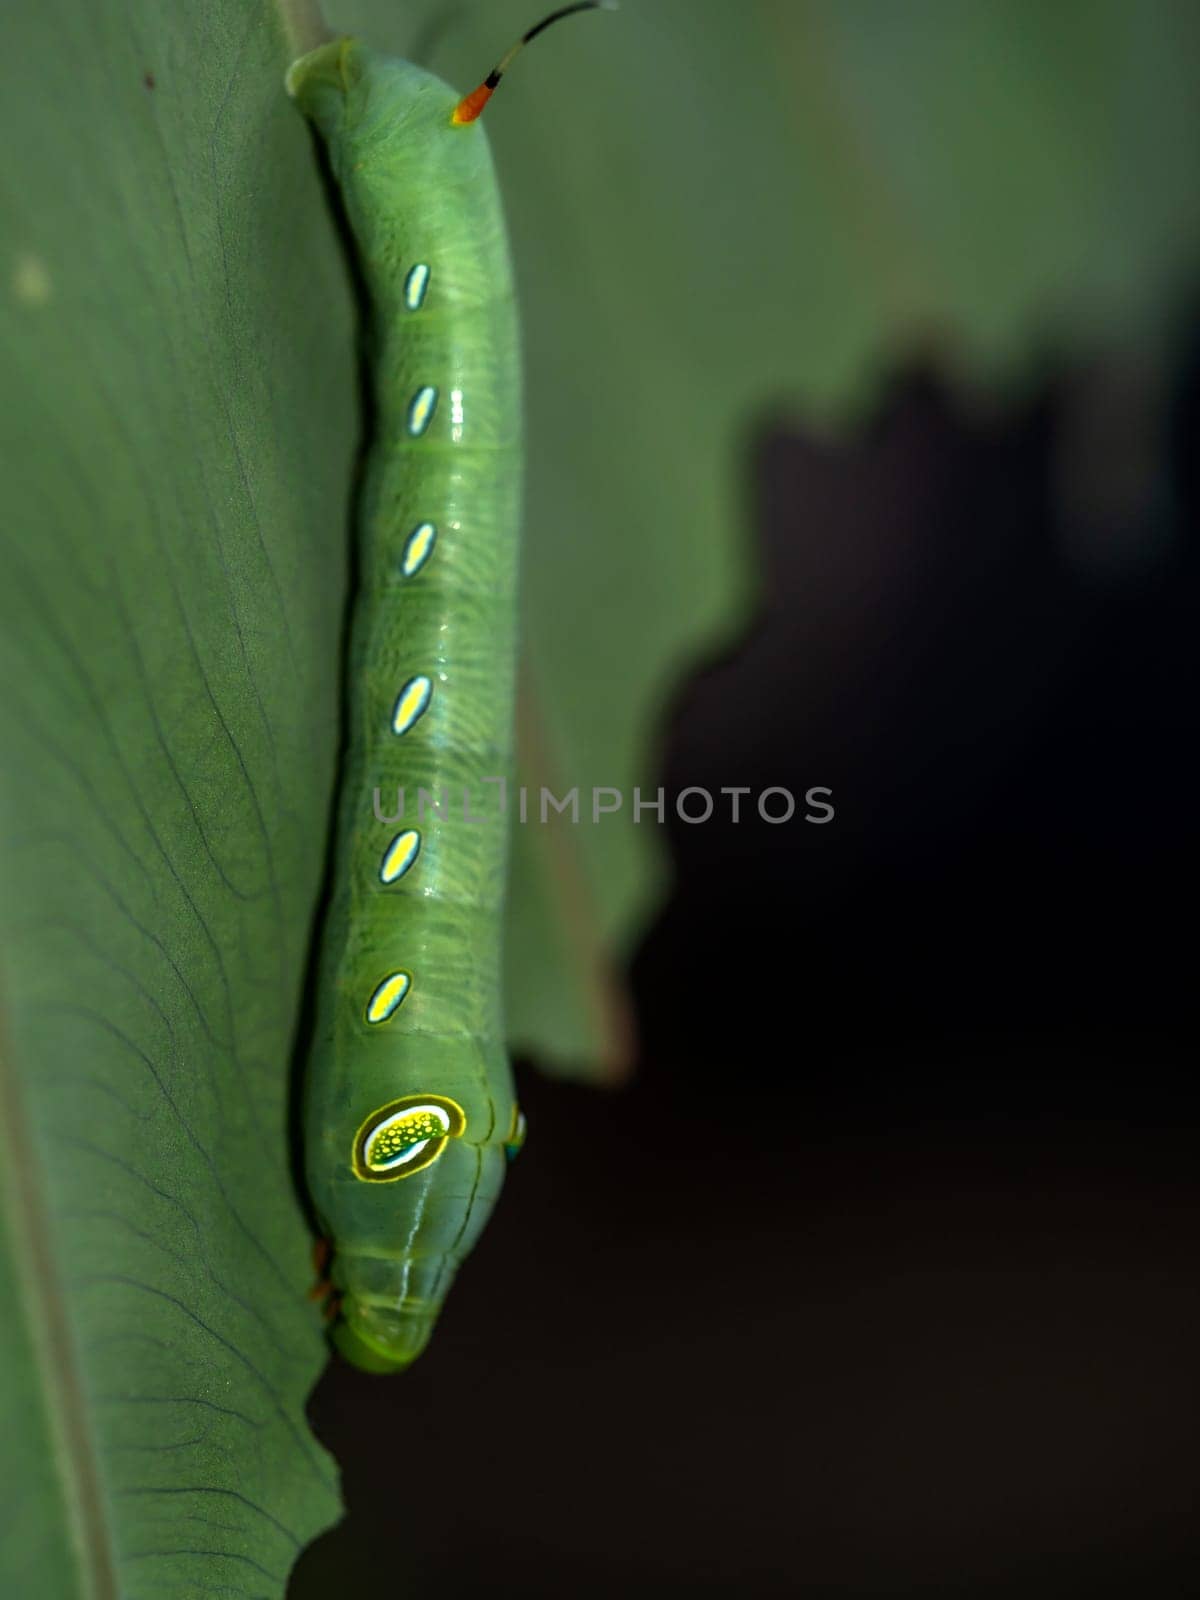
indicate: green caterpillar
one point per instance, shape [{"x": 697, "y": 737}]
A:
[{"x": 409, "y": 1104}]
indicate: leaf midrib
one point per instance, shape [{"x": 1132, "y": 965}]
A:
[{"x": 44, "y": 1309}]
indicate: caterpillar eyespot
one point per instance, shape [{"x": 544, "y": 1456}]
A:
[
  {"x": 516, "y": 1135},
  {"x": 405, "y": 1136},
  {"x": 410, "y": 1118}
]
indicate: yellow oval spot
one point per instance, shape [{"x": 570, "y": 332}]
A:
[
  {"x": 388, "y": 996},
  {"x": 421, "y": 409},
  {"x": 418, "y": 549},
  {"x": 411, "y": 703},
  {"x": 399, "y": 855}
]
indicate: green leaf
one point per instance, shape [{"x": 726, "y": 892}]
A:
[
  {"x": 177, "y": 425},
  {"x": 721, "y": 209},
  {"x": 715, "y": 210},
  {"x": 36, "y": 1555}
]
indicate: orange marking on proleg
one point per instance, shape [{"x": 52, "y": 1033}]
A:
[
  {"x": 322, "y": 1256},
  {"x": 469, "y": 107}
]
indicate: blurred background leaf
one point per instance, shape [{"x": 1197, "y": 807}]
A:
[{"x": 721, "y": 210}]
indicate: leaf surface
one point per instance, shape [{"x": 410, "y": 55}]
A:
[
  {"x": 177, "y": 426},
  {"x": 726, "y": 213}
]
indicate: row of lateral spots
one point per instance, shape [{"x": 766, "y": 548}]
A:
[{"x": 413, "y": 700}]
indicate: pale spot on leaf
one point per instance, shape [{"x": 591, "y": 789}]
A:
[{"x": 31, "y": 280}]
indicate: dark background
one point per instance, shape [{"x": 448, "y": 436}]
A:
[{"x": 882, "y": 1276}]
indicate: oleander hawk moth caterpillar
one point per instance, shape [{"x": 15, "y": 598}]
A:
[{"x": 409, "y": 1107}]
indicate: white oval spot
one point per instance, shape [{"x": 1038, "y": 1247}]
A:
[
  {"x": 415, "y": 286},
  {"x": 418, "y": 549},
  {"x": 421, "y": 409}
]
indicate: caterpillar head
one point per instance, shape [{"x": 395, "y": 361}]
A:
[{"x": 416, "y": 1149}]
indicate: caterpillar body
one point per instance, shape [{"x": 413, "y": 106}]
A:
[{"x": 409, "y": 1105}]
